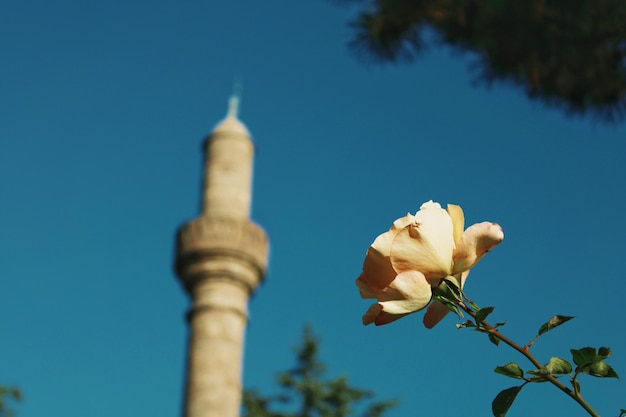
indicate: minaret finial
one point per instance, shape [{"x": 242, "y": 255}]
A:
[{"x": 235, "y": 98}]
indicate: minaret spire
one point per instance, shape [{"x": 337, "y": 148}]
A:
[
  {"x": 221, "y": 258},
  {"x": 235, "y": 100},
  {"x": 233, "y": 106}
]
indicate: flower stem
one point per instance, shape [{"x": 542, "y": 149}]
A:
[{"x": 488, "y": 328}]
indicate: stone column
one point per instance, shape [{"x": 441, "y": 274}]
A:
[{"x": 221, "y": 258}]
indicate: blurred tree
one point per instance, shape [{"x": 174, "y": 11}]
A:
[
  {"x": 305, "y": 393},
  {"x": 8, "y": 395},
  {"x": 569, "y": 54}
]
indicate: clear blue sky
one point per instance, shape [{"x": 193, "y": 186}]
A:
[{"x": 103, "y": 109}]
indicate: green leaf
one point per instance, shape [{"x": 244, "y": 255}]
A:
[
  {"x": 552, "y": 323},
  {"x": 494, "y": 339},
  {"x": 588, "y": 355},
  {"x": 558, "y": 366},
  {"x": 511, "y": 370},
  {"x": 473, "y": 305},
  {"x": 449, "y": 305},
  {"x": 449, "y": 290},
  {"x": 584, "y": 356},
  {"x": 592, "y": 363},
  {"x": 504, "y": 401},
  {"x": 466, "y": 323},
  {"x": 555, "y": 366},
  {"x": 456, "y": 291},
  {"x": 483, "y": 313},
  {"x": 599, "y": 369}
]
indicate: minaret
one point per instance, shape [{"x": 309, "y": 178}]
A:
[{"x": 221, "y": 258}]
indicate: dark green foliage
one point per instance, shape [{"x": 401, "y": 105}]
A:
[
  {"x": 567, "y": 53},
  {"x": 556, "y": 366},
  {"x": 494, "y": 339},
  {"x": 511, "y": 370},
  {"x": 588, "y": 355},
  {"x": 483, "y": 313},
  {"x": 305, "y": 392},
  {"x": 555, "y": 321},
  {"x": 592, "y": 363},
  {"x": 504, "y": 401},
  {"x": 8, "y": 395}
]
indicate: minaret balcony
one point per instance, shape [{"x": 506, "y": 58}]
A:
[{"x": 207, "y": 242}]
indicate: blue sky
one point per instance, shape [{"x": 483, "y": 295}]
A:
[{"x": 103, "y": 109}]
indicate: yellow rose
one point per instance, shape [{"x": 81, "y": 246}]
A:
[{"x": 403, "y": 265}]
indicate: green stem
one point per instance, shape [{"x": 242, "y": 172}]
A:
[{"x": 551, "y": 378}]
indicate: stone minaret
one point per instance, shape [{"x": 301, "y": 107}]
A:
[{"x": 221, "y": 258}]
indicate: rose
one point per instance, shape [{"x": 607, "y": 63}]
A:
[{"x": 403, "y": 265}]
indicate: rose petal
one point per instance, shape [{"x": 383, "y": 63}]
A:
[
  {"x": 425, "y": 245},
  {"x": 386, "y": 318},
  {"x": 476, "y": 241},
  {"x": 409, "y": 292},
  {"x": 436, "y": 311},
  {"x": 370, "y": 315},
  {"x": 402, "y": 222},
  {"x": 376, "y": 315},
  {"x": 365, "y": 290},
  {"x": 377, "y": 269},
  {"x": 458, "y": 221}
]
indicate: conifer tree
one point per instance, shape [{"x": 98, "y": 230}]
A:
[
  {"x": 7, "y": 396},
  {"x": 566, "y": 53},
  {"x": 304, "y": 392}
]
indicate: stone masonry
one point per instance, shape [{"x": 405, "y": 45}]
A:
[{"x": 221, "y": 258}]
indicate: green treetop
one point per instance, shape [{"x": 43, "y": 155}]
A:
[
  {"x": 304, "y": 391},
  {"x": 570, "y": 54}
]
